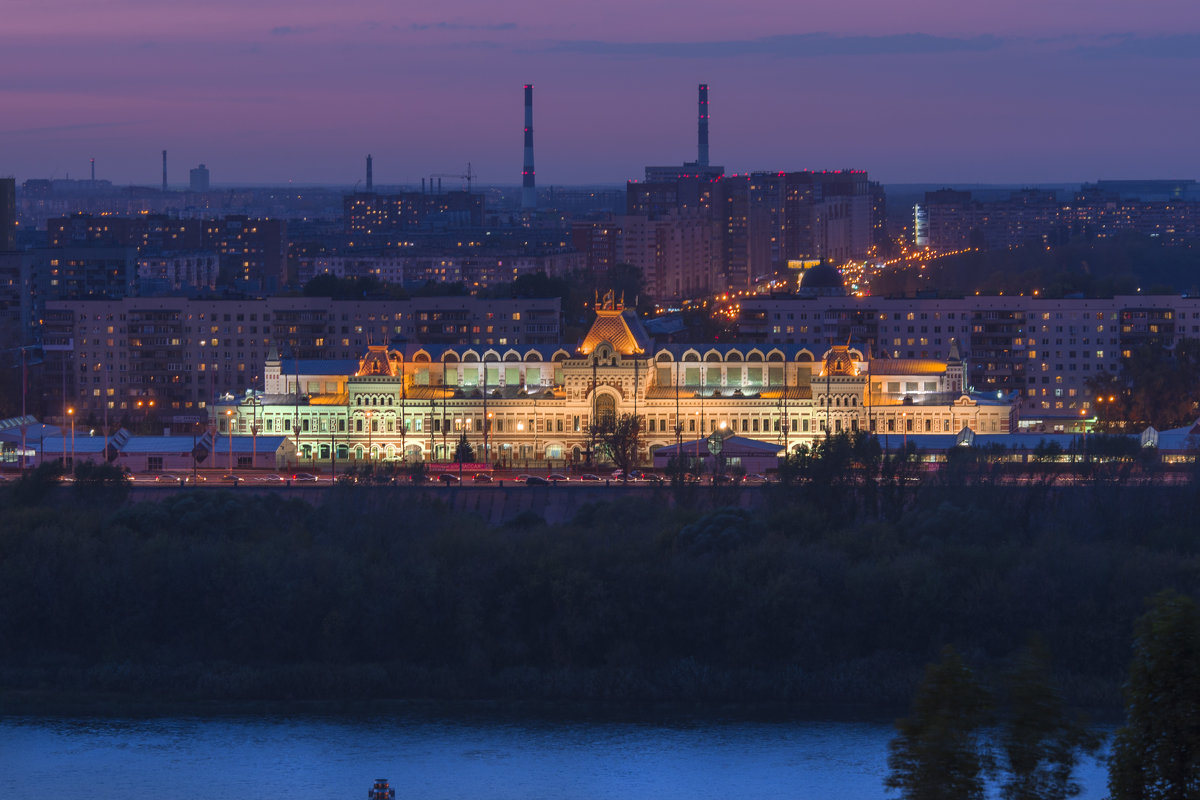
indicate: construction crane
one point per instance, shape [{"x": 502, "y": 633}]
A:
[{"x": 467, "y": 176}]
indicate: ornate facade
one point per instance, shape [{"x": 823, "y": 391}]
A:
[{"x": 536, "y": 404}]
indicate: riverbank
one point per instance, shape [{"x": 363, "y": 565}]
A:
[{"x": 818, "y": 600}]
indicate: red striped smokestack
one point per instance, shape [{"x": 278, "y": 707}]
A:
[
  {"x": 702, "y": 132},
  {"x": 528, "y": 190}
]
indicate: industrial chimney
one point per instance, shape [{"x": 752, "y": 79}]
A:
[
  {"x": 370, "y": 180},
  {"x": 164, "y": 170},
  {"x": 528, "y": 191},
  {"x": 702, "y": 132}
]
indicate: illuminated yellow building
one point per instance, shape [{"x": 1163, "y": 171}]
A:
[{"x": 534, "y": 405}]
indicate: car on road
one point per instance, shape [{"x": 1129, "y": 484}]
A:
[
  {"x": 556, "y": 477},
  {"x": 448, "y": 479},
  {"x": 481, "y": 477},
  {"x": 755, "y": 477},
  {"x": 618, "y": 474},
  {"x": 230, "y": 478},
  {"x": 304, "y": 477},
  {"x": 164, "y": 478},
  {"x": 522, "y": 478},
  {"x": 589, "y": 477},
  {"x": 197, "y": 478},
  {"x": 536, "y": 480},
  {"x": 271, "y": 479}
]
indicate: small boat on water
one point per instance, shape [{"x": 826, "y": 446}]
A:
[{"x": 381, "y": 791}]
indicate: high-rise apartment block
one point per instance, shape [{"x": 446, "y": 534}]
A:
[
  {"x": 761, "y": 221},
  {"x": 252, "y": 252},
  {"x": 1039, "y": 218},
  {"x": 1043, "y": 351},
  {"x": 8, "y": 215},
  {"x": 183, "y": 352},
  {"x": 198, "y": 179},
  {"x": 372, "y": 218}
]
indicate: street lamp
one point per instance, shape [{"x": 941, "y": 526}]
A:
[
  {"x": 487, "y": 424},
  {"x": 370, "y": 454},
  {"x": 71, "y": 416},
  {"x": 254, "y": 432},
  {"x": 229, "y": 420}
]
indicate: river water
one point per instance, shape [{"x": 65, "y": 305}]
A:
[{"x": 446, "y": 759}]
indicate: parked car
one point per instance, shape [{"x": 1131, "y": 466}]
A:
[
  {"x": 304, "y": 477},
  {"x": 449, "y": 478},
  {"x": 536, "y": 480},
  {"x": 481, "y": 477}
]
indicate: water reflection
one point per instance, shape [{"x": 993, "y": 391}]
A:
[{"x": 432, "y": 759}]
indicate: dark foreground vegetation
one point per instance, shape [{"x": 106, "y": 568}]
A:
[{"x": 830, "y": 595}]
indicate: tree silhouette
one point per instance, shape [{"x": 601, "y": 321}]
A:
[
  {"x": 1156, "y": 755},
  {"x": 937, "y": 753},
  {"x": 620, "y": 438},
  {"x": 1039, "y": 741}
]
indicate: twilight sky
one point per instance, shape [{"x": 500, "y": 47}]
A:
[{"x": 270, "y": 91}]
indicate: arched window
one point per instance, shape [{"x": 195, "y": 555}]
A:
[{"x": 606, "y": 408}]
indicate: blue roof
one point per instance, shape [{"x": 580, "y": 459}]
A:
[
  {"x": 84, "y": 444},
  {"x": 34, "y": 431},
  {"x": 318, "y": 366},
  {"x": 245, "y": 445},
  {"x": 160, "y": 444},
  {"x": 733, "y": 445}
]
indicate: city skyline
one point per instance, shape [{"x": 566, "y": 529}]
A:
[{"x": 924, "y": 93}]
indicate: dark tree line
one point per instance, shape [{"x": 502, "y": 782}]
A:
[
  {"x": 825, "y": 594},
  {"x": 941, "y": 750}
]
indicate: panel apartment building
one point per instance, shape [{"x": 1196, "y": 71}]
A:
[
  {"x": 1042, "y": 350},
  {"x": 181, "y": 353}
]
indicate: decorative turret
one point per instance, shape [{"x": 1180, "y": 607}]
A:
[
  {"x": 272, "y": 369},
  {"x": 956, "y": 370},
  {"x": 838, "y": 361},
  {"x": 617, "y": 325},
  {"x": 378, "y": 360}
]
